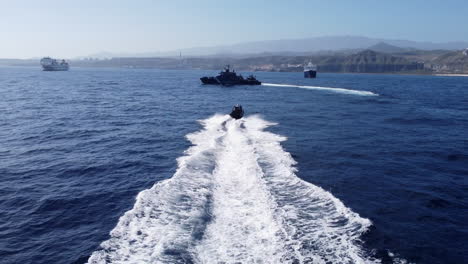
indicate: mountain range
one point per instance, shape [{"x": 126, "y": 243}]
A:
[
  {"x": 331, "y": 54},
  {"x": 306, "y": 46}
]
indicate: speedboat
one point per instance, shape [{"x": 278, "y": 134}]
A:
[{"x": 237, "y": 112}]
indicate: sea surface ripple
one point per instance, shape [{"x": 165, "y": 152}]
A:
[{"x": 134, "y": 165}]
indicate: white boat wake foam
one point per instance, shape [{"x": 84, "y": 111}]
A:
[
  {"x": 235, "y": 198},
  {"x": 336, "y": 90}
]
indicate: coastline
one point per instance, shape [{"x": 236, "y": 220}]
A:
[
  {"x": 161, "y": 68},
  {"x": 405, "y": 73}
]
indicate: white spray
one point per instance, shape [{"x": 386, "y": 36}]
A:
[{"x": 235, "y": 198}]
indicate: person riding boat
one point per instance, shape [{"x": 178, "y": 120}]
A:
[{"x": 237, "y": 112}]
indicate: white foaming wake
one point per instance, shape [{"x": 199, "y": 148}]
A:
[
  {"x": 235, "y": 198},
  {"x": 337, "y": 90}
]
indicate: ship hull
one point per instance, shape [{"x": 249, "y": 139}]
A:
[
  {"x": 310, "y": 74},
  {"x": 55, "y": 68},
  {"x": 250, "y": 82},
  {"x": 219, "y": 81},
  {"x": 209, "y": 80}
]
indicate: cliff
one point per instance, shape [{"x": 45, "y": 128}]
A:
[
  {"x": 371, "y": 62},
  {"x": 451, "y": 62}
]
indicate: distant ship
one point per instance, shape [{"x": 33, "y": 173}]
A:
[
  {"x": 310, "y": 70},
  {"x": 229, "y": 77},
  {"x": 49, "y": 64}
]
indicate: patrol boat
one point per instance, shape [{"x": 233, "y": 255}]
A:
[
  {"x": 49, "y": 64},
  {"x": 229, "y": 77}
]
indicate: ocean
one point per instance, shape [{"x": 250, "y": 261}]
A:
[{"x": 145, "y": 166}]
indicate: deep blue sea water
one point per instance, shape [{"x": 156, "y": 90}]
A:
[{"x": 379, "y": 177}]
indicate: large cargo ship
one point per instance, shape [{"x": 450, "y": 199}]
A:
[
  {"x": 310, "y": 70},
  {"x": 49, "y": 64}
]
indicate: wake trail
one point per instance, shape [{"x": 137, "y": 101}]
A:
[
  {"x": 235, "y": 198},
  {"x": 167, "y": 219},
  {"x": 332, "y": 89},
  {"x": 244, "y": 228}
]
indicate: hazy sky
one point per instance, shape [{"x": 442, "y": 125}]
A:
[{"x": 69, "y": 28}]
